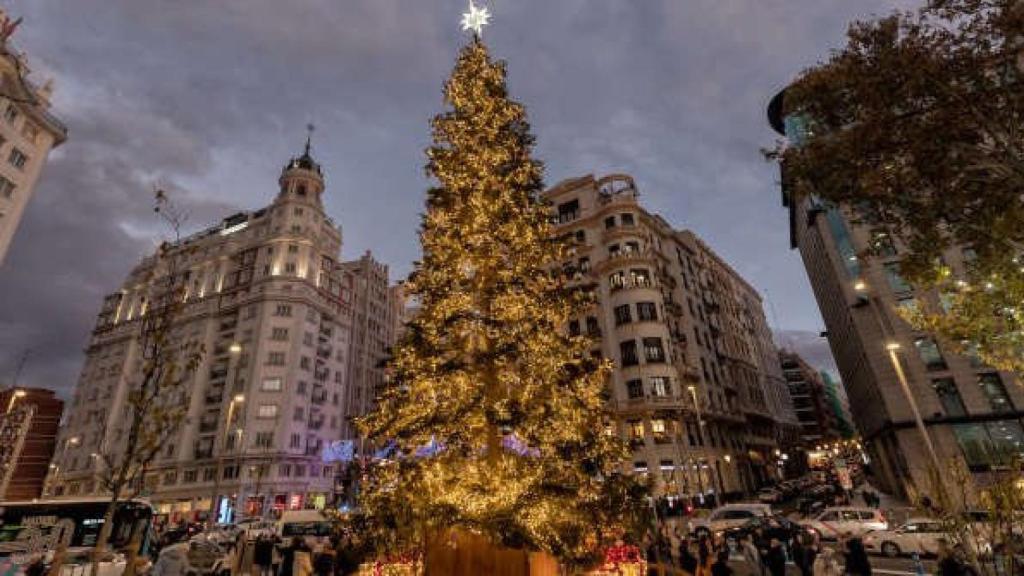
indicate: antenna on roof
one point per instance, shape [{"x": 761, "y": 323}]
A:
[{"x": 309, "y": 136}]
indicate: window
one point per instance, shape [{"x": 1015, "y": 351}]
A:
[
  {"x": 627, "y": 352},
  {"x": 190, "y": 476},
  {"x": 6, "y": 188},
  {"x": 930, "y": 354},
  {"x": 653, "y": 350},
  {"x": 640, "y": 278},
  {"x": 995, "y": 392},
  {"x": 568, "y": 211},
  {"x": 581, "y": 236},
  {"x": 305, "y": 363},
  {"x": 275, "y": 359},
  {"x": 660, "y": 386},
  {"x": 300, "y": 414},
  {"x": 296, "y": 441},
  {"x": 609, "y": 222},
  {"x": 289, "y": 268},
  {"x": 279, "y": 334},
  {"x": 627, "y": 219},
  {"x": 896, "y": 281},
  {"x": 230, "y": 472},
  {"x": 583, "y": 265},
  {"x": 843, "y": 241},
  {"x": 646, "y": 311},
  {"x": 283, "y": 310},
  {"x": 574, "y": 328},
  {"x": 636, "y": 430},
  {"x": 209, "y": 474},
  {"x": 264, "y": 439},
  {"x": 617, "y": 281},
  {"x": 11, "y": 114},
  {"x": 272, "y": 385},
  {"x": 635, "y": 388},
  {"x": 267, "y": 411},
  {"x": 284, "y": 470},
  {"x": 17, "y": 158},
  {"x": 659, "y": 430},
  {"x": 622, "y": 315},
  {"x": 593, "y": 328}
]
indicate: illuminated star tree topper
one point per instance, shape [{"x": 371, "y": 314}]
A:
[{"x": 475, "y": 19}]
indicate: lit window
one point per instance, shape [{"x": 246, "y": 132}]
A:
[
  {"x": 660, "y": 386},
  {"x": 272, "y": 385},
  {"x": 267, "y": 411}
]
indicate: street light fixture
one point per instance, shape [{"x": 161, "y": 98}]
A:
[
  {"x": 235, "y": 348},
  {"x": 17, "y": 394}
]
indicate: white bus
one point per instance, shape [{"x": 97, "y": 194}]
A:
[{"x": 35, "y": 529}]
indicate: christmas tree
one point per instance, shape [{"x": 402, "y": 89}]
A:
[{"x": 496, "y": 416}]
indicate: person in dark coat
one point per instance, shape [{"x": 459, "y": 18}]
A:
[
  {"x": 721, "y": 565},
  {"x": 687, "y": 560},
  {"x": 857, "y": 562},
  {"x": 775, "y": 559},
  {"x": 263, "y": 556}
]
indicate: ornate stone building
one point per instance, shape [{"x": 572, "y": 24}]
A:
[
  {"x": 697, "y": 388},
  {"x": 28, "y": 131},
  {"x": 269, "y": 300}
]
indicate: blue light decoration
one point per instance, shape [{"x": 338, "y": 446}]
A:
[
  {"x": 432, "y": 448},
  {"x": 516, "y": 445}
]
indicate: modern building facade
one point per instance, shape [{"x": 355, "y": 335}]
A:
[
  {"x": 840, "y": 404},
  {"x": 28, "y": 131},
  {"x": 28, "y": 435},
  {"x": 272, "y": 305},
  {"x": 970, "y": 412},
  {"x": 814, "y": 410},
  {"x": 697, "y": 388},
  {"x": 376, "y": 313}
]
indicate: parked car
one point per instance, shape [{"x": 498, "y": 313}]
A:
[
  {"x": 728, "y": 516},
  {"x": 775, "y": 526},
  {"x": 920, "y": 535},
  {"x": 770, "y": 496},
  {"x": 836, "y": 521}
]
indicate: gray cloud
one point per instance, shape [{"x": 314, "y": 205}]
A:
[{"x": 210, "y": 99}]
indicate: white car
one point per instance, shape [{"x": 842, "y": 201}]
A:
[
  {"x": 831, "y": 523},
  {"x": 920, "y": 535},
  {"x": 728, "y": 516}
]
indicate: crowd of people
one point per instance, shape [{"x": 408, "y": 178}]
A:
[{"x": 761, "y": 555}]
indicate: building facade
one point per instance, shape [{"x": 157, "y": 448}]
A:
[
  {"x": 267, "y": 297},
  {"x": 28, "y": 435},
  {"x": 814, "y": 409},
  {"x": 969, "y": 412},
  {"x": 28, "y": 131},
  {"x": 375, "y": 320},
  {"x": 697, "y": 389}
]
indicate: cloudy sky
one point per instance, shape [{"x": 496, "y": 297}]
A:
[{"x": 210, "y": 98}]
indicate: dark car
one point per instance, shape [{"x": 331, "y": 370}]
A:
[{"x": 776, "y": 526}]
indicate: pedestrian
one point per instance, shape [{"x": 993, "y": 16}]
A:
[
  {"x": 721, "y": 565},
  {"x": 798, "y": 552},
  {"x": 949, "y": 564},
  {"x": 687, "y": 558},
  {"x": 751, "y": 555},
  {"x": 775, "y": 560},
  {"x": 826, "y": 564},
  {"x": 263, "y": 556},
  {"x": 323, "y": 563},
  {"x": 705, "y": 557},
  {"x": 857, "y": 562}
]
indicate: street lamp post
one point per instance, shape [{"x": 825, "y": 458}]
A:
[{"x": 893, "y": 348}]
